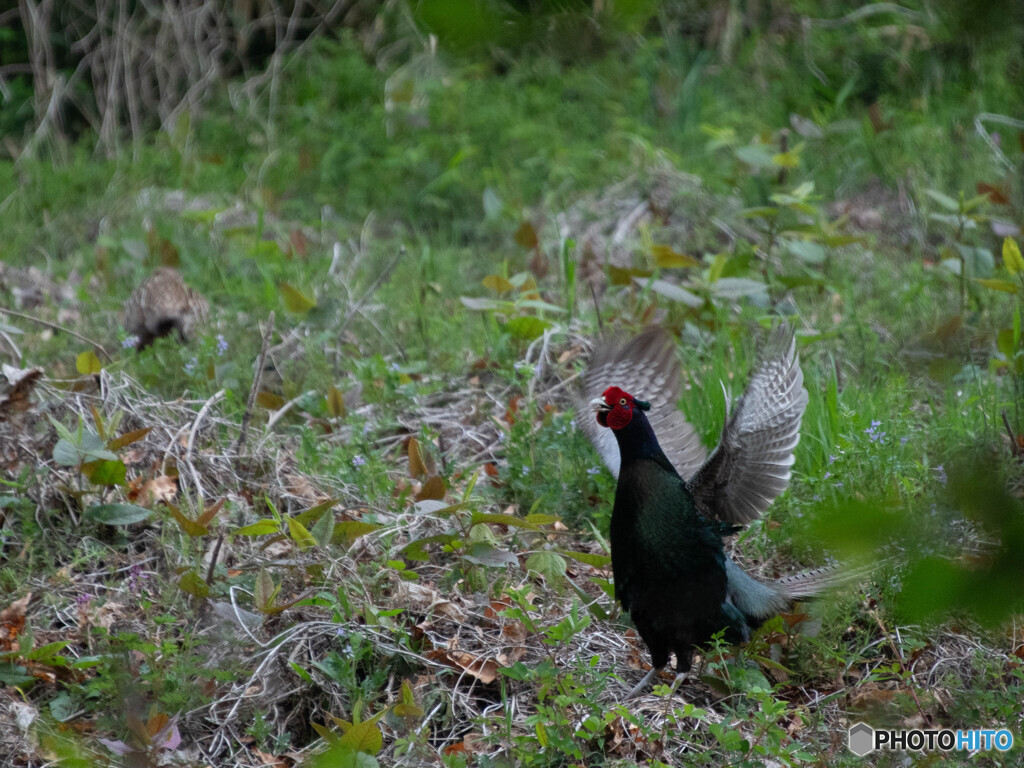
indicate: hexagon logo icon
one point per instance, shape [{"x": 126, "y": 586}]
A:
[{"x": 861, "y": 739}]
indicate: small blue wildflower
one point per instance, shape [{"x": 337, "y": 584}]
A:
[
  {"x": 837, "y": 485},
  {"x": 875, "y": 424},
  {"x": 904, "y": 441},
  {"x": 222, "y": 344},
  {"x": 358, "y": 460},
  {"x": 594, "y": 471},
  {"x": 526, "y": 471},
  {"x": 827, "y": 475},
  {"x": 130, "y": 341},
  {"x": 942, "y": 477},
  {"x": 191, "y": 366},
  {"x": 816, "y": 497},
  {"x": 832, "y": 459}
]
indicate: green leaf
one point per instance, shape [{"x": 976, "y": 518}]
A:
[
  {"x": 1011, "y": 256},
  {"x": 945, "y": 201},
  {"x": 191, "y": 527},
  {"x": 540, "y": 518},
  {"x": 108, "y": 473},
  {"x": 756, "y": 156},
  {"x": 87, "y": 447},
  {"x": 550, "y": 565},
  {"x": 193, "y": 584},
  {"x": 87, "y": 363},
  {"x": 588, "y": 558},
  {"x": 300, "y": 534},
  {"x": 806, "y": 251},
  {"x": 295, "y": 300},
  {"x": 497, "y": 283},
  {"x": 259, "y": 528},
  {"x": 738, "y": 287},
  {"x": 998, "y": 285},
  {"x": 265, "y": 591},
  {"x": 497, "y": 519},
  {"x": 491, "y": 557},
  {"x": 526, "y": 327},
  {"x": 417, "y": 550},
  {"x": 670, "y": 291},
  {"x": 347, "y": 531},
  {"x": 365, "y": 737},
  {"x": 117, "y": 514},
  {"x": 485, "y": 305},
  {"x": 323, "y": 531}
]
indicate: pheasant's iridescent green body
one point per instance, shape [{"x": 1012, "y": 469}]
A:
[
  {"x": 671, "y": 571},
  {"x": 658, "y": 538}
]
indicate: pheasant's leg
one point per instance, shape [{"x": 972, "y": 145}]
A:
[
  {"x": 675, "y": 683},
  {"x": 642, "y": 685}
]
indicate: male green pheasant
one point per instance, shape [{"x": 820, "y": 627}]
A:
[{"x": 673, "y": 506}]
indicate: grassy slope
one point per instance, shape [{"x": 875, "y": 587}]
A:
[{"x": 449, "y": 176}]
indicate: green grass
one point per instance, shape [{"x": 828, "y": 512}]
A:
[{"x": 334, "y": 189}]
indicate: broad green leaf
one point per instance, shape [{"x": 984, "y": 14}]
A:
[
  {"x": 259, "y": 528},
  {"x": 265, "y": 591},
  {"x": 670, "y": 291},
  {"x": 998, "y": 285},
  {"x": 347, "y": 531},
  {"x": 541, "y": 518},
  {"x": 1011, "y": 256},
  {"x": 117, "y": 514},
  {"x": 497, "y": 519},
  {"x": 365, "y": 737},
  {"x": 485, "y": 305},
  {"x": 550, "y": 565},
  {"x": 738, "y": 287},
  {"x": 89, "y": 447},
  {"x": 128, "y": 438},
  {"x": 416, "y": 466},
  {"x": 497, "y": 283},
  {"x": 434, "y": 489},
  {"x": 110, "y": 472},
  {"x": 543, "y": 306},
  {"x": 191, "y": 527},
  {"x": 588, "y": 558},
  {"x": 789, "y": 159},
  {"x": 806, "y": 251},
  {"x": 87, "y": 363},
  {"x": 300, "y": 534},
  {"x": 492, "y": 204},
  {"x": 623, "y": 276},
  {"x": 323, "y": 531},
  {"x": 945, "y": 201},
  {"x": 309, "y": 516},
  {"x": 756, "y": 156},
  {"x": 666, "y": 258},
  {"x": 269, "y": 400},
  {"x": 484, "y": 554},
  {"x": 295, "y": 300},
  {"x": 192, "y": 583},
  {"x": 336, "y": 403},
  {"x": 526, "y": 327}
]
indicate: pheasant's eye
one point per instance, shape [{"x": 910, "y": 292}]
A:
[{"x": 622, "y": 401}]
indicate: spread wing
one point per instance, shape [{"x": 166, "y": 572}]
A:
[
  {"x": 751, "y": 465},
  {"x": 646, "y": 367}
]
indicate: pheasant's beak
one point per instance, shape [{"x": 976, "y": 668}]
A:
[{"x": 599, "y": 405}]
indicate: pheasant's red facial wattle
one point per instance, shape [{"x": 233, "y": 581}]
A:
[{"x": 620, "y": 411}]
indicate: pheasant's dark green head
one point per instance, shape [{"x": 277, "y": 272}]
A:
[{"x": 615, "y": 408}]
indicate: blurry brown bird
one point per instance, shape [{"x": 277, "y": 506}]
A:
[{"x": 163, "y": 304}]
